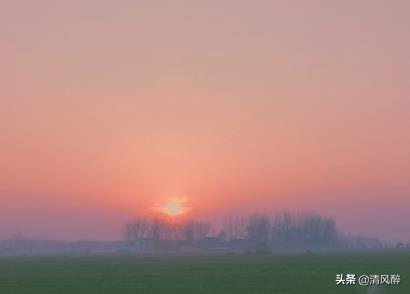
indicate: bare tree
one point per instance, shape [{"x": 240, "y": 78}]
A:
[
  {"x": 195, "y": 231},
  {"x": 304, "y": 230},
  {"x": 258, "y": 228},
  {"x": 234, "y": 227},
  {"x": 136, "y": 229},
  {"x": 282, "y": 227}
]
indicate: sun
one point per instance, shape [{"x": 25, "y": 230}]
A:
[{"x": 174, "y": 207}]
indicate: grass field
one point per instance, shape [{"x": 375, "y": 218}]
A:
[{"x": 293, "y": 273}]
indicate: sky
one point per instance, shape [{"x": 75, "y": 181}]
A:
[{"x": 108, "y": 109}]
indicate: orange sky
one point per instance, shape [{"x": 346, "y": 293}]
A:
[{"x": 110, "y": 108}]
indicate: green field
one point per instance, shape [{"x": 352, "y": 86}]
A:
[{"x": 292, "y": 273}]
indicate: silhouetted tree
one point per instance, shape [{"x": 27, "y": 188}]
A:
[
  {"x": 195, "y": 231},
  {"x": 136, "y": 229},
  {"x": 234, "y": 227},
  {"x": 258, "y": 228}
]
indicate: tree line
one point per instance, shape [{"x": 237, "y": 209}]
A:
[
  {"x": 282, "y": 230},
  {"x": 158, "y": 230}
]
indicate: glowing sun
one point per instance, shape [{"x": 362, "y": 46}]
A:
[{"x": 174, "y": 207}]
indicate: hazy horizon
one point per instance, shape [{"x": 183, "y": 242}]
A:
[{"x": 109, "y": 109}]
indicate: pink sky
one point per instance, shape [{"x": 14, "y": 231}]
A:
[{"x": 110, "y": 108}]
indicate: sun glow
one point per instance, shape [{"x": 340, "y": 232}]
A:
[{"x": 174, "y": 207}]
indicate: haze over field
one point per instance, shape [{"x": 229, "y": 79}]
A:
[{"x": 112, "y": 109}]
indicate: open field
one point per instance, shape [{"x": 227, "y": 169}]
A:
[{"x": 292, "y": 273}]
